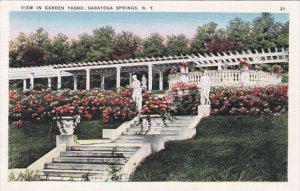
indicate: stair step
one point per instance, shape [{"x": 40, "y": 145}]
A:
[
  {"x": 77, "y": 166},
  {"x": 131, "y": 137},
  {"x": 88, "y": 160},
  {"x": 129, "y": 141},
  {"x": 171, "y": 137},
  {"x": 63, "y": 178},
  {"x": 170, "y": 131},
  {"x": 102, "y": 148},
  {"x": 94, "y": 154},
  {"x": 69, "y": 174},
  {"x": 177, "y": 125}
]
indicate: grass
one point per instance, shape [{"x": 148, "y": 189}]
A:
[
  {"x": 29, "y": 143},
  {"x": 235, "y": 148},
  {"x": 285, "y": 78}
]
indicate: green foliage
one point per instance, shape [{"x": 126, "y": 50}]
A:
[
  {"x": 37, "y": 48},
  {"x": 114, "y": 172},
  {"x": 177, "y": 45},
  {"x": 154, "y": 45},
  {"x": 28, "y": 143},
  {"x": 126, "y": 45},
  {"x": 239, "y": 34},
  {"x": 233, "y": 148},
  {"x": 28, "y": 175}
]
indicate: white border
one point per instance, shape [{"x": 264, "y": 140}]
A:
[{"x": 291, "y": 7}]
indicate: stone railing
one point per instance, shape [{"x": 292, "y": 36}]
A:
[{"x": 228, "y": 78}]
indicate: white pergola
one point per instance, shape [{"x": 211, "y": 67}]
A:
[{"x": 150, "y": 65}]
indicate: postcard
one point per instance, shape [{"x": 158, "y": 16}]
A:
[{"x": 166, "y": 95}]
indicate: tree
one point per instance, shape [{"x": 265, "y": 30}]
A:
[
  {"x": 177, "y": 45},
  {"x": 60, "y": 50},
  {"x": 203, "y": 36},
  {"x": 239, "y": 34},
  {"x": 30, "y": 50},
  {"x": 264, "y": 35},
  {"x": 80, "y": 48},
  {"x": 34, "y": 56},
  {"x": 154, "y": 46},
  {"x": 282, "y": 33},
  {"x": 126, "y": 45},
  {"x": 103, "y": 42}
]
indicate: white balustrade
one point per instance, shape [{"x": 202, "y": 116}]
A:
[{"x": 230, "y": 78}]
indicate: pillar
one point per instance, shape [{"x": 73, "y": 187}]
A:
[
  {"x": 118, "y": 83},
  {"x": 102, "y": 81},
  {"x": 88, "y": 79},
  {"x": 161, "y": 80},
  {"x": 150, "y": 77},
  {"x": 24, "y": 84},
  {"x": 59, "y": 80},
  {"x": 49, "y": 83},
  {"x": 130, "y": 79},
  {"x": 32, "y": 81},
  {"x": 75, "y": 82}
]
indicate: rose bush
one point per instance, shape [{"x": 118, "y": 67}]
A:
[
  {"x": 185, "y": 97},
  {"x": 269, "y": 100},
  {"x": 89, "y": 104}
]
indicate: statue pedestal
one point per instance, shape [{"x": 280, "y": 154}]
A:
[
  {"x": 203, "y": 110},
  {"x": 156, "y": 139},
  {"x": 65, "y": 139},
  {"x": 245, "y": 77}
]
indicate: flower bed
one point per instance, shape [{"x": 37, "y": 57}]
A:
[
  {"x": 185, "y": 97},
  {"x": 93, "y": 104},
  {"x": 269, "y": 100}
]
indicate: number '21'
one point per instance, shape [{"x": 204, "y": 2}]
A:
[{"x": 282, "y": 8}]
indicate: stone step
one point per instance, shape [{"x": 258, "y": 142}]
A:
[
  {"x": 129, "y": 141},
  {"x": 131, "y": 137},
  {"x": 170, "y": 132},
  {"x": 103, "y": 148},
  {"x": 95, "y": 154},
  {"x": 177, "y": 125},
  {"x": 89, "y": 160},
  {"x": 68, "y": 174},
  {"x": 171, "y": 137},
  {"x": 63, "y": 178},
  {"x": 77, "y": 166},
  {"x": 184, "y": 118}
]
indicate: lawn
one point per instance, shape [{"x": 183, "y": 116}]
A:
[
  {"x": 231, "y": 148},
  {"x": 30, "y": 142}
]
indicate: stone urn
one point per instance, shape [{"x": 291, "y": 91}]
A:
[{"x": 67, "y": 124}]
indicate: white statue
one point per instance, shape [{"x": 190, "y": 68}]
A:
[
  {"x": 204, "y": 85},
  {"x": 137, "y": 92},
  {"x": 144, "y": 82}
]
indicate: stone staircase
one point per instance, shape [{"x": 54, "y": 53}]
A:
[
  {"x": 87, "y": 162},
  {"x": 92, "y": 162}
]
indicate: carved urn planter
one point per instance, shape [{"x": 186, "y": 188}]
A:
[{"x": 67, "y": 124}]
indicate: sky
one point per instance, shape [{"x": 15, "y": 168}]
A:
[{"x": 142, "y": 24}]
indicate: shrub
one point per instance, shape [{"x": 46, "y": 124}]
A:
[
  {"x": 269, "y": 100},
  {"x": 37, "y": 106}
]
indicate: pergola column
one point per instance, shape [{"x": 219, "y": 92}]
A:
[
  {"x": 88, "y": 79},
  {"x": 59, "y": 80},
  {"x": 118, "y": 83},
  {"x": 130, "y": 79},
  {"x": 24, "y": 84},
  {"x": 150, "y": 77},
  {"x": 49, "y": 83},
  {"x": 161, "y": 80},
  {"x": 75, "y": 82},
  {"x": 32, "y": 81},
  {"x": 102, "y": 81}
]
